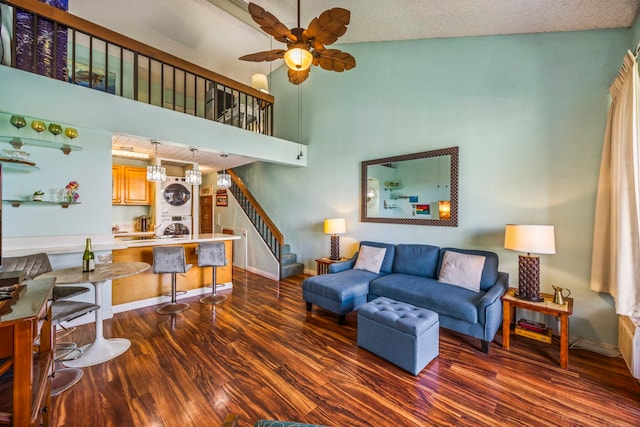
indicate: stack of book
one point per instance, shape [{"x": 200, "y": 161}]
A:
[{"x": 534, "y": 330}]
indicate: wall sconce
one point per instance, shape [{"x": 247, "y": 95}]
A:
[
  {"x": 444, "y": 209},
  {"x": 335, "y": 226},
  {"x": 539, "y": 239},
  {"x": 260, "y": 82}
]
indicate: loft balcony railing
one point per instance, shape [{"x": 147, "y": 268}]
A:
[{"x": 53, "y": 43}]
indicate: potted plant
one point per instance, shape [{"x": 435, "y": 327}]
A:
[{"x": 38, "y": 195}]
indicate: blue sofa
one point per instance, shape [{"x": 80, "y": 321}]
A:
[{"x": 409, "y": 273}]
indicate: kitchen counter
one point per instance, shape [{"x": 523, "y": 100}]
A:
[
  {"x": 138, "y": 241},
  {"x": 148, "y": 288}
]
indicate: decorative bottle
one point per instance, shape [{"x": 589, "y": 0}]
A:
[{"x": 88, "y": 260}]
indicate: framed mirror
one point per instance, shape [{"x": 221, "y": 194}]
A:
[{"x": 419, "y": 188}]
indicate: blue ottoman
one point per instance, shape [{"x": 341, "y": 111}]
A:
[
  {"x": 401, "y": 333},
  {"x": 340, "y": 293}
]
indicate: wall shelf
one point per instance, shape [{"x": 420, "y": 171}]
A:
[
  {"x": 18, "y": 165},
  {"x": 17, "y": 203},
  {"x": 18, "y": 142}
]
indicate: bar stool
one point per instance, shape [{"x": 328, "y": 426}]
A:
[
  {"x": 212, "y": 254},
  {"x": 170, "y": 259}
]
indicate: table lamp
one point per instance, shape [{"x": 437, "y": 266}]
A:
[
  {"x": 335, "y": 226},
  {"x": 537, "y": 239}
]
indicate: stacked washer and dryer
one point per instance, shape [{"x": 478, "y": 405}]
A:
[{"x": 174, "y": 207}]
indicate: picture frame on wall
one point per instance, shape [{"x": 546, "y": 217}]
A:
[{"x": 222, "y": 200}]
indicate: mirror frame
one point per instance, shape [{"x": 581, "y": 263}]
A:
[{"x": 451, "y": 222}]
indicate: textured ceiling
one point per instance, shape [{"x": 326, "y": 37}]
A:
[
  {"x": 214, "y": 33},
  {"x": 201, "y": 32}
]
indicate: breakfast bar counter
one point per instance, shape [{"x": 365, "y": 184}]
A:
[{"x": 149, "y": 286}]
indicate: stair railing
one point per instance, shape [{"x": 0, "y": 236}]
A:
[
  {"x": 267, "y": 230},
  {"x": 56, "y": 44}
]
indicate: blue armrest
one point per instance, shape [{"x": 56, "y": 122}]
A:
[
  {"x": 492, "y": 295},
  {"x": 337, "y": 267}
]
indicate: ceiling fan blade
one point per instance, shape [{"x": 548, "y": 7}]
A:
[
  {"x": 335, "y": 60},
  {"x": 330, "y": 25},
  {"x": 296, "y": 77},
  {"x": 270, "y": 24},
  {"x": 268, "y": 55}
]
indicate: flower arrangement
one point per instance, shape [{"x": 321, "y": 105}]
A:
[{"x": 71, "y": 193}]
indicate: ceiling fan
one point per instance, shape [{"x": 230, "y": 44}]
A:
[{"x": 305, "y": 46}]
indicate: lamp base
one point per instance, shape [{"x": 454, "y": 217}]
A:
[
  {"x": 529, "y": 278},
  {"x": 335, "y": 247}
]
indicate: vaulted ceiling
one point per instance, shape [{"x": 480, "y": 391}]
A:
[{"x": 215, "y": 33}]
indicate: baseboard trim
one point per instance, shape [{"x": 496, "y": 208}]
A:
[
  {"x": 607, "y": 350},
  {"x": 120, "y": 308},
  {"x": 262, "y": 273}
]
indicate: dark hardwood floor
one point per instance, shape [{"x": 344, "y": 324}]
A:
[{"x": 262, "y": 356}]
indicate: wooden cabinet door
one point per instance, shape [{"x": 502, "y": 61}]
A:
[
  {"x": 206, "y": 214},
  {"x": 116, "y": 185},
  {"x": 137, "y": 190}
]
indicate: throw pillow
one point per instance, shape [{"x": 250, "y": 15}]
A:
[
  {"x": 462, "y": 270},
  {"x": 370, "y": 259}
]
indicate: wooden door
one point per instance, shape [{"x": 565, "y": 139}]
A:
[{"x": 206, "y": 214}]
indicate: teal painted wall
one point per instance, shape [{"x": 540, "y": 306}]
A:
[{"x": 527, "y": 111}]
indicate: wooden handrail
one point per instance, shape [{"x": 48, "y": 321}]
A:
[
  {"x": 110, "y": 36},
  {"x": 270, "y": 225}
]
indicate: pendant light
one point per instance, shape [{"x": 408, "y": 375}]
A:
[
  {"x": 193, "y": 176},
  {"x": 224, "y": 179},
  {"x": 156, "y": 173}
]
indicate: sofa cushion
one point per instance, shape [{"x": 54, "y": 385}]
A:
[
  {"x": 442, "y": 298},
  {"x": 387, "y": 264},
  {"x": 462, "y": 270},
  {"x": 370, "y": 259},
  {"x": 490, "y": 270},
  {"x": 420, "y": 260}
]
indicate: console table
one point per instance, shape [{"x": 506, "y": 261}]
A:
[{"x": 22, "y": 320}]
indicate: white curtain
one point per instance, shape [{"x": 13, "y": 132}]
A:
[{"x": 615, "y": 263}]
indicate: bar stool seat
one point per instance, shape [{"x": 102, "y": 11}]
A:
[
  {"x": 170, "y": 259},
  {"x": 212, "y": 254}
]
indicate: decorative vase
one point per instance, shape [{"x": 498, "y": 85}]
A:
[{"x": 38, "y": 197}]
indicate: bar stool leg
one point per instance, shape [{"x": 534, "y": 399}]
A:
[
  {"x": 214, "y": 298},
  {"x": 173, "y": 307}
]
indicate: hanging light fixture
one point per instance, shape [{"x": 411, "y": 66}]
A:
[
  {"x": 156, "y": 173},
  {"x": 224, "y": 179},
  {"x": 193, "y": 176}
]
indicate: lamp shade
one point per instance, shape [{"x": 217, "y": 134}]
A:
[
  {"x": 298, "y": 58},
  {"x": 335, "y": 226},
  {"x": 260, "y": 82},
  {"x": 537, "y": 239}
]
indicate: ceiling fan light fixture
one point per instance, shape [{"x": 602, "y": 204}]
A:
[{"x": 298, "y": 58}]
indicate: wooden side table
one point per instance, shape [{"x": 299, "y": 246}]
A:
[
  {"x": 324, "y": 263},
  {"x": 510, "y": 303}
]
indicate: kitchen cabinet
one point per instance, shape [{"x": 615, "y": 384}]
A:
[
  {"x": 129, "y": 186},
  {"x": 26, "y": 343},
  {"x": 206, "y": 214}
]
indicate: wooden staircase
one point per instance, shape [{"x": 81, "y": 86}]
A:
[{"x": 270, "y": 234}]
